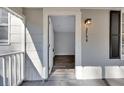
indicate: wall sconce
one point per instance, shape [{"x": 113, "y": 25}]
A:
[{"x": 87, "y": 22}]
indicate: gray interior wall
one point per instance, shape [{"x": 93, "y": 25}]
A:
[
  {"x": 34, "y": 42},
  {"x": 64, "y": 29},
  {"x": 64, "y": 43}
]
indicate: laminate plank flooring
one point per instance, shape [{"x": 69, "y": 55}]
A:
[{"x": 64, "y": 62}]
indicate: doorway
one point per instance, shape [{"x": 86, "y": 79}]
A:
[
  {"x": 61, "y": 34},
  {"x": 62, "y": 12}
]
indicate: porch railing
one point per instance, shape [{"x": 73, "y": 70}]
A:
[{"x": 12, "y": 68}]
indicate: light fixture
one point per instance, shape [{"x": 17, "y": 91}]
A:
[{"x": 87, "y": 22}]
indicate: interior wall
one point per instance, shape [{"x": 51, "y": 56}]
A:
[
  {"x": 95, "y": 52},
  {"x": 64, "y": 29},
  {"x": 34, "y": 43},
  {"x": 64, "y": 43}
]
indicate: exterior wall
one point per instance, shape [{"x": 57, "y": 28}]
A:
[
  {"x": 95, "y": 52},
  {"x": 16, "y": 40},
  {"x": 34, "y": 43},
  {"x": 62, "y": 11},
  {"x": 16, "y": 35},
  {"x": 64, "y": 43}
]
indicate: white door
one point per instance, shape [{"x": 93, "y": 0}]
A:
[{"x": 51, "y": 45}]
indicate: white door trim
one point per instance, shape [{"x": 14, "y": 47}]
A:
[{"x": 61, "y": 11}]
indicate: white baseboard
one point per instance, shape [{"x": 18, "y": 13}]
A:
[{"x": 64, "y": 54}]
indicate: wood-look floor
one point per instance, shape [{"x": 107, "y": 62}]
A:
[
  {"x": 63, "y": 68},
  {"x": 64, "y": 62}
]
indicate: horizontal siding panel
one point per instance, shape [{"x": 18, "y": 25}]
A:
[
  {"x": 34, "y": 59},
  {"x": 34, "y": 42},
  {"x": 12, "y": 47},
  {"x": 16, "y": 45},
  {"x": 34, "y": 29},
  {"x": 15, "y": 21},
  {"x": 1, "y": 74},
  {"x": 34, "y": 38},
  {"x": 16, "y": 38},
  {"x": 34, "y": 46},
  {"x": 35, "y": 54},
  {"x": 16, "y": 30},
  {"x": 31, "y": 72}
]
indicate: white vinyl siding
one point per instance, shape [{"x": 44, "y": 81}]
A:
[
  {"x": 16, "y": 36},
  {"x": 16, "y": 39},
  {"x": 34, "y": 43}
]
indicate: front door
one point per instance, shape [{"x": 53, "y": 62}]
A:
[{"x": 51, "y": 45}]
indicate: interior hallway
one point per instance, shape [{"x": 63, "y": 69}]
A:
[{"x": 64, "y": 62}]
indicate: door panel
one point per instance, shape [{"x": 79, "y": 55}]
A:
[{"x": 51, "y": 45}]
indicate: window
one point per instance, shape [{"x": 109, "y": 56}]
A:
[
  {"x": 115, "y": 34},
  {"x": 4, "y": 26}
]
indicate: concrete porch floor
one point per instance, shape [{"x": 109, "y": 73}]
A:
[
  {"x": 65, "y": 77},
  {"x": 97, "y": 82}
]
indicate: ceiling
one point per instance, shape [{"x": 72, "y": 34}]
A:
[{"x": 63, "y": 23}]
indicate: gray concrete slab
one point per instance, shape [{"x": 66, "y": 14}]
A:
[
  {"x": 32, "y": 83},
  {"x": 66, "y": 77},
  {"x": 52, "y": 83},
  {"x": 62, "y": 77},
  {"x": 66, "y": 83},
  {"x": 115, "y": 82}
]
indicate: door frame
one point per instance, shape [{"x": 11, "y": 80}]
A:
[
  {"x": 49, "y": 45},
  {"x": 61, "y": 12}
]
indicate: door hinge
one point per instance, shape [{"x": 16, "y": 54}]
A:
[{"x": 49, "y": 45}]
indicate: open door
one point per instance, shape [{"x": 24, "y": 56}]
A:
[{"x": 51, "y": 45}]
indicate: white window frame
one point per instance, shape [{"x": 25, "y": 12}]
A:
[{"x": 7, "y": 42}]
